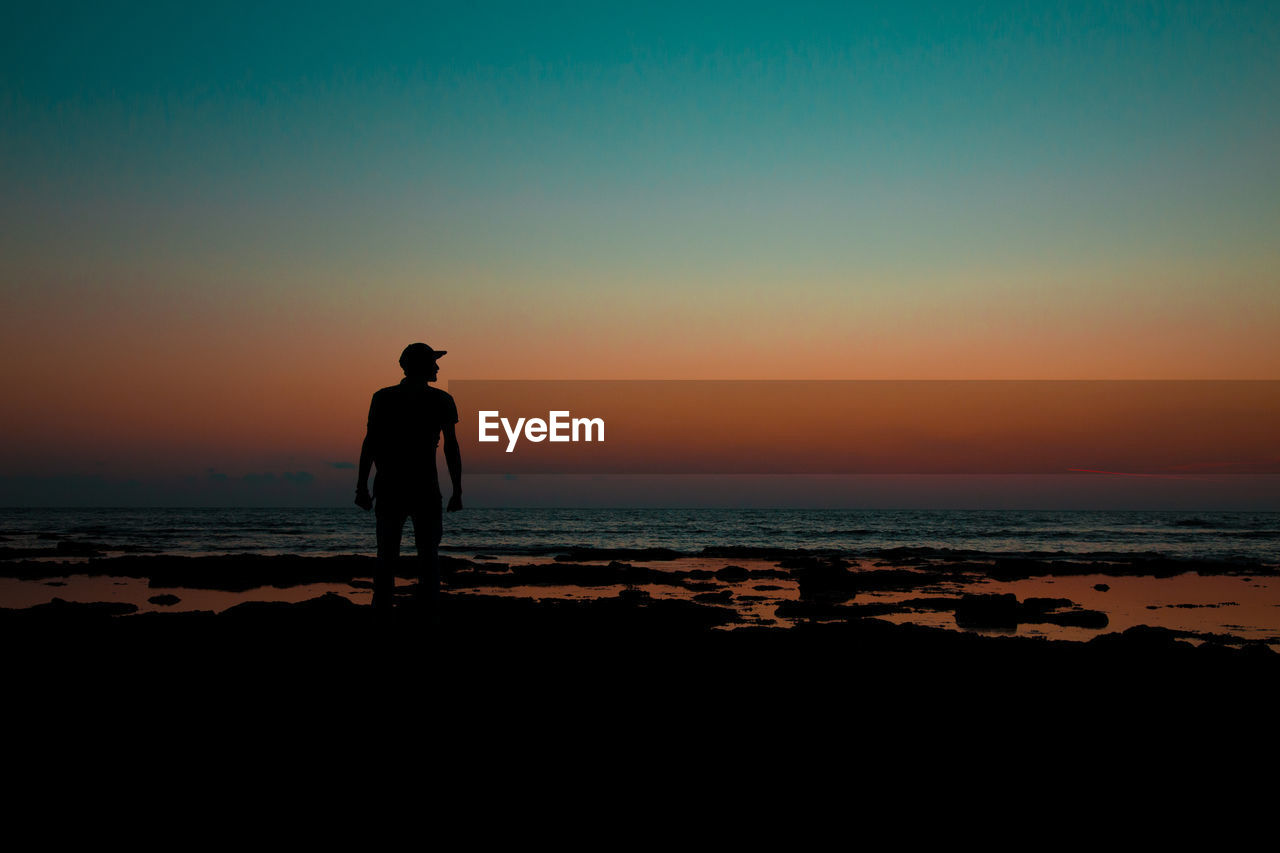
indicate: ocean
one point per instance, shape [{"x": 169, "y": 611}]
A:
[{"x": 1234, "y": 536}]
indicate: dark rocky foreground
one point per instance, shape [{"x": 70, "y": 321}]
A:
[
  {"x": 830, "y": 620},
  {"x": 475, "y": 627},
  {"x": 625, "y": 657},
  {"x": 498, "y": 683},
  {"x": 629, "y": 641},
  {"x": 502, "y": 698}
]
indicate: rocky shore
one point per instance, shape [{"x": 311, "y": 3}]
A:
[{"x": 822, "y": 615}]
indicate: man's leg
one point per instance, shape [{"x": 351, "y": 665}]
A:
[
  {"x": 427, "y": 531},
  {"x": 390, "y": 529}
]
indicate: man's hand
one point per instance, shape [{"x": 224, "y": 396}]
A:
[
  {"x": 363, "y": 499},
  {"x": 455, "y": 502}
]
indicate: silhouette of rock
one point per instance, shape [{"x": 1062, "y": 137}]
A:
[
  {"x": 69, "y": 548},
  {"x": 11, "y": 553},
  {"x": 658, "y": 650},
  {"x": 832, "y": 579},
  {"x": 567, "y": 574},
  {"x": 819, "y": 609},
  {"x": 814, "y": 564},
  {"x": 646, "y": 554},
  {"x": 992, "y": 611},
  {"x": 936, "y": 603},
  {"x": 80, "y": 609},
  {"x": 328, "y": 605},
  {"x": 739, "y": 552},
  {"x": 1074, "y": 618},
  {"x": 1040, "y": 606},
  {"x": 1005, "y": 612},
  {"x": 1146, "y": 639}
]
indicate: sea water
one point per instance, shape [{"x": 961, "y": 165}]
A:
[{"x": 1251, "y": 536}]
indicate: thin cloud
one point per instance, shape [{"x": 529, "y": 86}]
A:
[
  {"x": 1127, "y": 473},
  {"x": 1250, "y": 467}
]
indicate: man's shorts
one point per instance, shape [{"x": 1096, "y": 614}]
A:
[{"x": 427, "y": 526}]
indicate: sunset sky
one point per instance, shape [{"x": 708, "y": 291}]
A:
[{"x": 219, "y": 226}]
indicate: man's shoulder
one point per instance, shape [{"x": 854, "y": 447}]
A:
[
  {"x": 439, "y": 394},
  {"x": 430, "y": 389},
  {"x": 444, "y": 404}
]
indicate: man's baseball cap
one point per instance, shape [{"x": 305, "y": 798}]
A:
[{"x": 419, "y": 354}]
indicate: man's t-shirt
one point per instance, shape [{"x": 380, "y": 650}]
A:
[{"x": 404, "y": 426}]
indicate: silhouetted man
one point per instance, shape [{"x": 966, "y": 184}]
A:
[{"x": 405, "y": 423}]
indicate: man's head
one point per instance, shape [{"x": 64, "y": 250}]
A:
[{"x": 420, "y": 360}]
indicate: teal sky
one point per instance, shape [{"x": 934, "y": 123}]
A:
[{"x": 574, "y": 135}]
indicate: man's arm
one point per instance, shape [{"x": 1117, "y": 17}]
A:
[
  {"x": 453, "y": 458},
  {"x": 363, "y": 499}
]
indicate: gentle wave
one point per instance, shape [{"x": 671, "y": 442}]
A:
[{"x": 333, "y": 531}]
